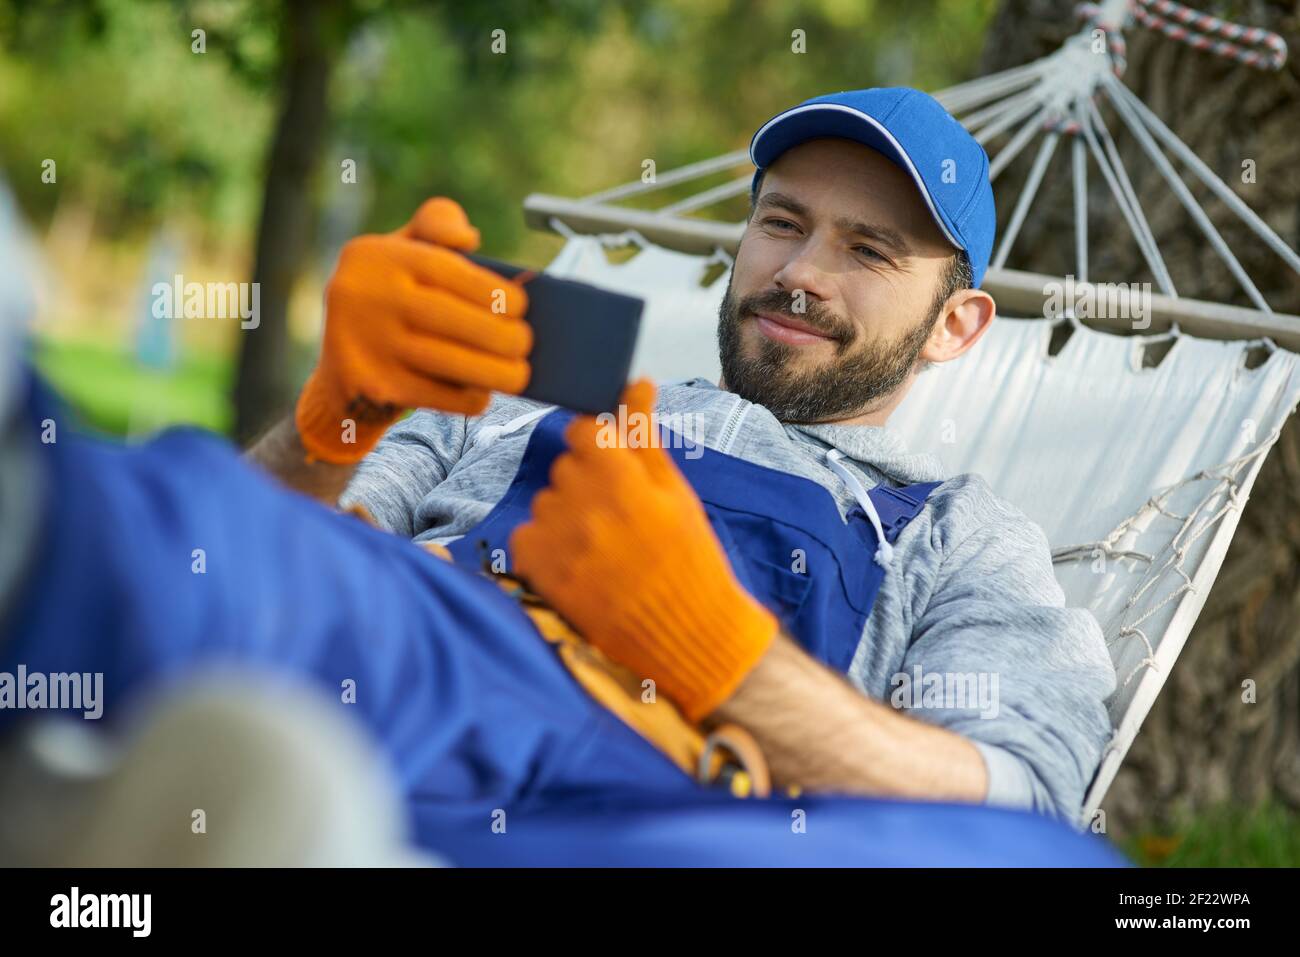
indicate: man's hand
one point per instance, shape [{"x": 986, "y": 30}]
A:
[
  {"x": 620, "y": 545},
  {"x": 409, "y": 322}
]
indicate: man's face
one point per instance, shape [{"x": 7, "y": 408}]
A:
[{"x": 832, "y": 298}]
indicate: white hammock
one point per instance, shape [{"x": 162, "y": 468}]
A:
[{"x": 1136, "y": 472}]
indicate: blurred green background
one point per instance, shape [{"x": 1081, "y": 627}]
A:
[
  {"x": 220, "y": 155},
  {"x": 172, "y": 160}
]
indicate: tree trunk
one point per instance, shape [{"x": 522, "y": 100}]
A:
[
  {"x": 310, "y": 39},
  {"x": 1201, "y": 745}
]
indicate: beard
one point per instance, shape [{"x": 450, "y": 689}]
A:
[{"x": 861, "y": 371}]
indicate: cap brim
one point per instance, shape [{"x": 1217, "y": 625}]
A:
[{"x": 816, "y": 120}]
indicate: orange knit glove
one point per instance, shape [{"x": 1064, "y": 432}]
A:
[
  {"x": 410, "y": 323},
  {"x": 620, "y": 545}
]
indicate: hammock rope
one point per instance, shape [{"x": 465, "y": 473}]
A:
[
  {"x": 1186, "y": 25},
  {"x": 1058, "y": 96},
  {"x": 1159, "y": 14},
  {"x": 1227, "y": 482}
]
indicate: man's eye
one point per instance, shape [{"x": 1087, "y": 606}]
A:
[
  {"x": 779, "y": 223},
  {"x": 868, "y": 252}
]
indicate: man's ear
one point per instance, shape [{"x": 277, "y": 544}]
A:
[{"x": 966, "y": 316}]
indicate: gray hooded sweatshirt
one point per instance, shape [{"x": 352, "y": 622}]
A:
[{"x": 969, "y": 630}]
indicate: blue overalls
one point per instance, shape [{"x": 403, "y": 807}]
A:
[
  {"x": 173, "y": 556},
  {"x": 782, "y": 533}
]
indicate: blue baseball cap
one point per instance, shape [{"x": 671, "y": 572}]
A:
[{"x": 911, "y": 129}]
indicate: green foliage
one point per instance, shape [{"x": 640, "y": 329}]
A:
[
  {"x": 114, "y": 394},
  {"x": 1224, "y": 837},
  {"x": 144, "y": 129},
  {"x": 141, "y": 128},
  {"x": 147, "y": 133}
]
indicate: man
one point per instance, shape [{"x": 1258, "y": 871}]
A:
[
  {"x": 871, "y": 227},
  {"x": 130, "y": 569}
]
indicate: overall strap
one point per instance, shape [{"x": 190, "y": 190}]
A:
[
  {"x": 898, "y": 506},
  {"x": 889, "y": 510}
]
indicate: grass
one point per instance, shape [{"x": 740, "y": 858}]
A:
[
  {"x": 114, "y": 393},
  {"x": 1228, "y": 836}
]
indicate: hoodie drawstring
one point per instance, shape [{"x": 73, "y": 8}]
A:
[{"x": 885, "y": 552}]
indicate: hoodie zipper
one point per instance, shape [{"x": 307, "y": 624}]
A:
[{"x": 731, "y": 427}]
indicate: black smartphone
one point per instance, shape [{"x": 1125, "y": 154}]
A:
[{"x": 583, "y": 339}]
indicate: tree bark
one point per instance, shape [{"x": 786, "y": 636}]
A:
[
  {"x": 310, "y": 40},
  {"x": 1201, "y": 745}
]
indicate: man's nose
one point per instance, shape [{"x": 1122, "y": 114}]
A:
[{"x": 804, "y": 271}]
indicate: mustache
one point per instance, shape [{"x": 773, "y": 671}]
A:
[{"x": 814, "y": 314}]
